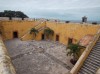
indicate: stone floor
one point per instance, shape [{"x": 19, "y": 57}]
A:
[{"x": 38, "y": 57}]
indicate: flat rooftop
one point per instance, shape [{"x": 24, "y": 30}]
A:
[{"x": 38, "y": 57}]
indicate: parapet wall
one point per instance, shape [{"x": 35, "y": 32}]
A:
[
  {"x": 19, "y": 19},
  {"x": 6, "y": 66},
  {"x": 15, "y": 18}
]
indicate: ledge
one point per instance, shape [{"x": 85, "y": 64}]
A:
[{"x": 6, "y": 66}]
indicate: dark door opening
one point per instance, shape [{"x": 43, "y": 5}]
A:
[
  {"x": 15, "y": 34},
  {"x": 70, "y": 40},
  {"x": 42, "y": 36},
  {"x": 57, "y": 37}
]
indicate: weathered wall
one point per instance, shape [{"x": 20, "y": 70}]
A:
[
  {"x": 8, "y": 27},
  {"x": 6, "y": 66},
  {"x": 64, "y": 30},
  {"x": 72, "y": 30},
  {"x": 29, "y": 36}
]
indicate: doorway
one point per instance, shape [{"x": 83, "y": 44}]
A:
[
  {"x": 15, "y": 34},
  {"x": 42, "y": 36},
  {"x": 70, "y": 40},
  {"x": 57, "y": 37}
]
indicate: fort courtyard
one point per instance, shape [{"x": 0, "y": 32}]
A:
[
  {"x": 49, "y": 36},
  {"x": 40, "y": 46},
  {"x": 38, "y": 57}
]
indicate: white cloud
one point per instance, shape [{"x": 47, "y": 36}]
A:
[
  {"x": 59, "y": 7},
  {"x": 49, "y": 4}
]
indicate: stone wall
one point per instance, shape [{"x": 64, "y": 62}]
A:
[
  {"x": 72, "y": 30},
  {"x": 6, "y": 66},
  {"x": 64, "y": 30},
  {"x": 16, "y": 18}
]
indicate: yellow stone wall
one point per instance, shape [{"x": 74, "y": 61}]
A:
[
  {"x": 8, "y": 27},
  {"x": 72, "y": 30},
  {"x": 64, "y": 30}
]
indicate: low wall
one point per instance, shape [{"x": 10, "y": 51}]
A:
[
  {"x": 6, "y": 66},
  {"x": 16, "y": 18}
]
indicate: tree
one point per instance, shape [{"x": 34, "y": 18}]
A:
[
  {"x": 74, "y": 51},
  {"x": 21, "y": 15},
  {"x": 48, "y": 32},
  {"x": 34, "y": 31},
  {"x": 10, "y": 14}
]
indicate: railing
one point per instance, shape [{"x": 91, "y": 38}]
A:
[
  {"x": 6, "y": 66},
  {"x": 39, "y": 24},
  {"x": 85, "y": 54},
  {"x": 42, "y": 28}
]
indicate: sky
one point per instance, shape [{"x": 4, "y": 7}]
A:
[{"x": 55, "y": 9}]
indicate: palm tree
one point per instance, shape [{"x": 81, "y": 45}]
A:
[
  {"x": 48, "y": 32},
  {"x": 34, "y": 31},
  {"x": 74, "y": 51}
]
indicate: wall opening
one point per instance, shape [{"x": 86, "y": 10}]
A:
[
  {"x": 15, "y": 34},
  {"x": 70, "y": 40},
  {"x": 57, "y": 37},
  {"x": 43, "y": 37}
]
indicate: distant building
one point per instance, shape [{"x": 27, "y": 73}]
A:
[{"x": 84, "y": 19}]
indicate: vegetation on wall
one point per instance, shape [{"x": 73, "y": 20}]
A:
[
  {"x": 48, "y": 32},
  {"x": 34, "y": 32},
  {"x": 10, "y": 14}
]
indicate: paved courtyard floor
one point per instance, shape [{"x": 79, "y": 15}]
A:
[{"x": 38, "y": 57}]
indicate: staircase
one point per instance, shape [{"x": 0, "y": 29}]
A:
[
  {"x": 38, "y": 26},
  {"x": 42, "y": 28},
  {"x": 92, "y": 63}
]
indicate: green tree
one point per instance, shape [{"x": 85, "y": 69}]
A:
[
  {"x": 10, "y": 14},
  {"x": 34, "y": 32},
  {"x": 48, "y": 32}
]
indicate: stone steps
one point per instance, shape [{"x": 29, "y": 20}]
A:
[{"x": 92, "y": 63}]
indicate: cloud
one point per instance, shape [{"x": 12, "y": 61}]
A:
[{"x": 64, "y": 9}]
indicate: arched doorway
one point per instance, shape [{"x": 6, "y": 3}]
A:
[{"x": 15, "y": 34}]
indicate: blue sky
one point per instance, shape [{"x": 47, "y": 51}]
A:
[{"x": 57, "y": 9}]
